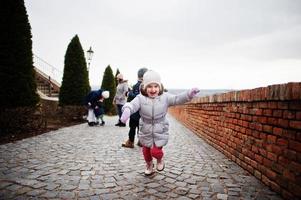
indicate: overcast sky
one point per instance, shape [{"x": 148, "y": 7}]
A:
[{"x": 210, "y": 44}]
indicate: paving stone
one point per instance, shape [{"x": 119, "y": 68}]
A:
[
  {"x": 217, "y": 188},
  {"x": 101, "y": 191},
  {"x": 22, "y": 190},
  {"x": 109, "y": 185},
  {"x": 194, "y": 196},
  {"x": 68, "y": 187},
  {"x": 151, "y": 191},
  {"x": 39, "y": 185},
  {"x": 14, "y": 187},
  {"x": 170, "y": 186},
  {"x": 82, "y": 162},
  {"x": 180, "y": 184},
  {"x": 84, "y": 186},
  {"x": 153, "y": 185},
  {"x": 36, "y": 193},
  {"x": 191, "y": 181},
  {"x": 163, "y": 189},
  {"x": 214, "y": 176},
  {"x": 222, "y": 196},
  {"x": 231, "y": 193},
  {"x": 66, "y": 195},
  {"x": 63, "y": 172},
  {"x": 213, "y": 180},
  {"x": 181, "y": 191},
  {"x": 171, "y": 175},
  {"x": 207, "y": 194},
  {"x": 94, "y": 198},
  {"x": 50, "y": 194},
  {"x": 234, "y": 189},
  {"x": 233, "y": 198},
  {"x": 5, "y": 194},
  {"x": 194, "y": 191},
  {"x": 161, "y": 195},
  {"x": 183, "y": 198},
  {"x": 86, "y": 193},
  {"x": 138, "y": 189},
  {"x": 170, "y": 180}
]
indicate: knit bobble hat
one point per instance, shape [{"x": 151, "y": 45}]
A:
[
  {"x": 141, "y": 72},
  {"x": 105, "y": 94},
  {"x": 151, "y": 77},
  {"x": 119, "y": 76}
]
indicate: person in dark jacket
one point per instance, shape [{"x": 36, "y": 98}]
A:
[
  {"x": 94, "y": 102},
  {"x": 134, "y": 118}
]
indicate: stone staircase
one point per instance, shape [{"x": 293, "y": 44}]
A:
[
  {"x": 46, "y": 85},
  {"x": 47, "y": 77}
]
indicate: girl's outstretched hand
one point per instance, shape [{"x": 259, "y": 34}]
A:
[
  {"x": 193, "y": 92},
  {"x": 125, "y": 115}
]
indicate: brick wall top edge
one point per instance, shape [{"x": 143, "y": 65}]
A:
[{"x": 287, "y": 91}]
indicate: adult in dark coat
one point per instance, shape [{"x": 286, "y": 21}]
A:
[
  {"x": 134, "y": 118},
  {"x": 94, "y": 101}
]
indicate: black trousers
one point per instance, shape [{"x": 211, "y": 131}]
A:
[
  {"x": 119, "y": 110},
  {"x": 134, "y": 124}
]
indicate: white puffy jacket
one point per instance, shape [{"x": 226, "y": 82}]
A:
[{"x": 153, "y": 125}]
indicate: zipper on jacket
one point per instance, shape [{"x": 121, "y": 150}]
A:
[{"x": 153, "y": 112}]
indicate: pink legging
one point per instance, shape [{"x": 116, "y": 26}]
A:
[{"x": 149, "y": 153}]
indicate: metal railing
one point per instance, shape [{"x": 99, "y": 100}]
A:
[{"x": 48, "y": 69}]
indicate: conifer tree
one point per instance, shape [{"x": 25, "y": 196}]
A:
[
  {"x": 117, "y": 72},
  {"x": 108, "y": 83},
  {"x": 75, "y": 84},
  {"x": 17, "y": 76}
]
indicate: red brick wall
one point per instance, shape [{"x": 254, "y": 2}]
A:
[{"x": 259, "y": 129}]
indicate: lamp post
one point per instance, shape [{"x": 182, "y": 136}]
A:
[{"x": 89, "y": 57}]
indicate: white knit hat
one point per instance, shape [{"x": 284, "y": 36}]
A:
[
  {"x": 105, "y": 94},
  {"x": 119, "y": 76},
  {"x": 151, "y": 77}
]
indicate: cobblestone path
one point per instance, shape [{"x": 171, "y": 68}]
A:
[{"x": 82, "y": 162}]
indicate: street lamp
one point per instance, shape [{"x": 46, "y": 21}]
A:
[{"x": 89, "y": 56}]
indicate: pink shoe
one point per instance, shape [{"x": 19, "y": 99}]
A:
[
  {"x": 160, "y": 165},
  {"x": 149, "y": 168}
]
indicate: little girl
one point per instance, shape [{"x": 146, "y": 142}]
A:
[{"x": 152, "y": 105}]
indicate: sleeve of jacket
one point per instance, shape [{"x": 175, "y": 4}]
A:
[
  {"x": 134, "y": 105},
  {"x": 131, "y": 94},
  {"x": 125, "y": 89},
  {"x": 177, "y": 99},
  {"x": 134, "y": 92},
  {"x": 90, "y": 98}
]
